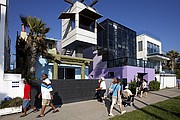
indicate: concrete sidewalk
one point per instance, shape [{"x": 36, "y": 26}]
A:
[{"x": 93, "y": 110}]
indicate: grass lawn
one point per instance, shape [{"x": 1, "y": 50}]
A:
[{"x": 166, "y": 110}]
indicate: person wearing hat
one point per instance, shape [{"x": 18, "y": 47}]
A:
[{"x": 102, "y": 88}]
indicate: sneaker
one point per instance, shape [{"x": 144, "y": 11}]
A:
[
  {"x": 110, "y": 114},
  {"x": 123, "y": 112}
]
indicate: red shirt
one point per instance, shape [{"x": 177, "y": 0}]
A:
[{"x": 27, "y": 90}]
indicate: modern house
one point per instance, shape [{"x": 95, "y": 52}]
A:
[
  {"x": 116, "y": 54},
  {"x": 150, "y": 49}
]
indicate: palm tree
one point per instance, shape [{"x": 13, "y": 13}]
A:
[
  {"x": 35, "y": 43},
  {"x": 178, "y": 63},
  {"x": 173, "y": 55}
]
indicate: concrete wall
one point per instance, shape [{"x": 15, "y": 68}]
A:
[
  {"x": 167, "y": 80},
  {"x": 12, "y": 86},
  {"x": 127, "y": 72},
  {"x": 2, "y": 36}
]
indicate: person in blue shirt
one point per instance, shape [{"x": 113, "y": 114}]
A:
[{"x": 116, "y": 96}]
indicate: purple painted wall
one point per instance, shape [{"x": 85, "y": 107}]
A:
[{"x": 127, "y": 72}]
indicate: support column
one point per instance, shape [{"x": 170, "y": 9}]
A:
[
  {"x": 83, "y": 71},
  {"x": 55, "y": 71}
]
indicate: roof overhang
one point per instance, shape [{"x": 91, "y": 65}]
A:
[
  {"x": 66, "y": 15},
  {"x": 157, "y": 57},
  {"x": 90, "y": 14}
]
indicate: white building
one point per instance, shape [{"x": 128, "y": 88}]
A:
[
  {"x": 10, "y": 84},
  {"x": 149, "y": 48},
  {"x": 79, "y": 27}
]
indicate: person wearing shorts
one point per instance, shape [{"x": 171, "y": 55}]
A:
[
  {"x": 46, "y": 90},
  {"x": 116, "y": 96},
  {"x": 26, "y": 98}
]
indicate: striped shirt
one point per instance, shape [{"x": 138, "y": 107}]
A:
[{"x": 46, "y": 88}]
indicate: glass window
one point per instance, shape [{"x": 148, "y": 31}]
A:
[{"x": 140, "y": 47}]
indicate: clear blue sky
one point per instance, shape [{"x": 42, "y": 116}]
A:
[{"x": 160, "y": 17}]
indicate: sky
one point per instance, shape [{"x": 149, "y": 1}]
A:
[{"x": 159, "y": 17}]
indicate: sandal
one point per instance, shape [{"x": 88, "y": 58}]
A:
[
  {"x": 23, "y": 115},
  {"x": 55, "y": 111},
  {"x": 40, "y": 116}
]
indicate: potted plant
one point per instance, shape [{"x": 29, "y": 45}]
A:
[{"x": 11, "y": 106}]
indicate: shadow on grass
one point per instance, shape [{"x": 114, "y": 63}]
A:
[
  {"x": 152, "y": 114},
  {"x": 149, "y": 113},
  {"x": 176, "y": 114}
]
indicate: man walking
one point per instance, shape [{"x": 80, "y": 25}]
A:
[
  {"x": 26, "y": 98},
  {"x": 46, "y": 94}
]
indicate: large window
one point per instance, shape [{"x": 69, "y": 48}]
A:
[
  {"x": 152, "y": 48},
  {"x": 140, "y": 46},
  {"x": 120, "y": 42},
  {"x": 86, "y": 23}
]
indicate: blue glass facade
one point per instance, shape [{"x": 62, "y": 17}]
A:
[{"x": 116, "y": 44}]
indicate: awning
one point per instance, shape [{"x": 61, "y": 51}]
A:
[
  {"x": 91, "y": 14},
  {"x": 66, "y": 15},
  {"x": 158, "y": 57}
]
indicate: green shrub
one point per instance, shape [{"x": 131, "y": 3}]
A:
[
  {"x": 154, "y": 85},
  {"x": 132, "y": 86},
  {"x": 16, "y": 102}
]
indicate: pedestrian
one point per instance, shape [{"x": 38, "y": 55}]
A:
[
  {"x": 116, "y": 96},
  {"x": 102, "y": 89},
  {"x": 96, "y": 96},
  {"x": 144, "y": 88},
  {"x": 26, "y": 98},
  {"x": 138, "y": 86},
  {"x": 46, "y": 93},
  {"x": 129, "y": 97}
]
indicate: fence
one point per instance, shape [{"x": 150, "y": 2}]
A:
[{"x": 67, "y": 91}]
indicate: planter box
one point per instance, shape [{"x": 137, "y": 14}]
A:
[{"x": 11, "y": 110}]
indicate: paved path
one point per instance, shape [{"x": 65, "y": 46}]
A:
[{"x": 93, "y": 110}]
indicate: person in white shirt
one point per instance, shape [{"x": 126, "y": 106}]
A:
[
  {"x": 102, "y": 89},
  {"x": 129, "y": 96},
  {"x": 128, "y": 91},
  {"x": 144, "y": 88},
  {"x": 46, "y": 94}
]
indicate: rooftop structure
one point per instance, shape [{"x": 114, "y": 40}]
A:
[{"x": 79, "y": 27}]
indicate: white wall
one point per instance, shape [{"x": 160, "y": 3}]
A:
[
  {"x": 2, "y": 37},
  {"x": 12, "y": 86},
  {"x": 166, "y": 80},
  {"x": 145, "y": 38}
]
